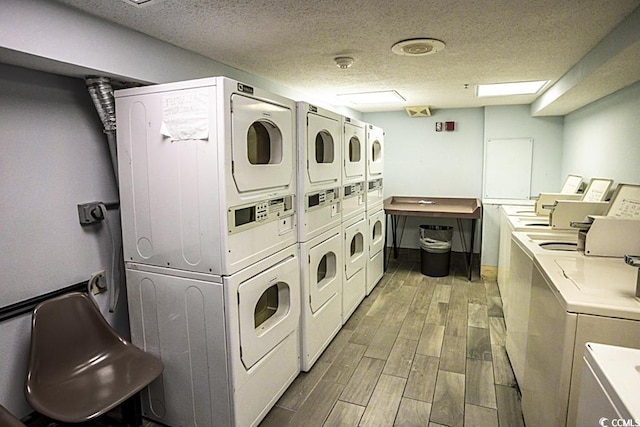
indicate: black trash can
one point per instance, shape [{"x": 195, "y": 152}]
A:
[{"x": 435, "y": 250}]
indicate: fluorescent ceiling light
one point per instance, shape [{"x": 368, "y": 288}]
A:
[
  {"x": 381, "y": 97},
  {"x": 504, "y": 89}
]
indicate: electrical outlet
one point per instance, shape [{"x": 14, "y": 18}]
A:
[
  {"x": 90, "y": 213},
  {"x": 98, "y": 282}
]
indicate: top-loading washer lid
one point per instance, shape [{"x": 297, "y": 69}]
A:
[{"x": 594, "y": 285}]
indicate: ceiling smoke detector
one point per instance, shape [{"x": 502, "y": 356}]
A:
[
  {"x": 343, "y": 62},
  {"x": 417, "y": 47}
]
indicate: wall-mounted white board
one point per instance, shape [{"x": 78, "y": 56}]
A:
[{"x": 507, "y": 168}]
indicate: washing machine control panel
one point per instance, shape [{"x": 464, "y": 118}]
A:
[
  {"x": 376, "y": 184},
  {"x": 353, "y": 190},
  {"x": 321, "y": 198},
  {"x": 244, "y": 217}
]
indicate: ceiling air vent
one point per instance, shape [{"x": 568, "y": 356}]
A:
[
  {"x": 141, "y": 3},
  {"x": 421, "y": 111}
]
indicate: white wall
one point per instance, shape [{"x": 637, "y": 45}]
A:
[
  {"x": 53, "y": 156},
  {"x": 603, "y": 139},
  {"x": 422, "y": 162}
]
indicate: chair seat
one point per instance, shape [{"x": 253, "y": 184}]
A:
[
  {"x": 79, "y": 368},
  {"x": 97, "y": 388}
]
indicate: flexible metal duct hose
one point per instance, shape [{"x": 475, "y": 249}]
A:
[{"x": 101, "y": 93}]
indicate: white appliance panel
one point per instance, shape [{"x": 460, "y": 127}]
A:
[
  {"x": 354, "y": 285},
  {"x": 550, "y": 342},
  {"x": 268, "y": 127},
  {"x": 323, "y": 148},
  {"x": 375, "y": 152},
  {"x": 181, "y": 320},
  {"x": 322, "y": 264},
  {"x": 258, "y": 339},
  {"x": 354, "y": 155},
  {"x": 325, "y": 261}
]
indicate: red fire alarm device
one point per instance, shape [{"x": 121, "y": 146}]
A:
[{"x": 449, "y": 126}]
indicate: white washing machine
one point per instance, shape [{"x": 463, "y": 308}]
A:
[
  {"x": 321, "y": 279},
  {"x": 375, "y": 167},
  {"x": 609, "y": 386},
  {"x": 207, "y": 174},
  {"x": 375, "y": 247},
  {"x": 319, "y": 170},
  {"x": 508, "y": 225},
  {"x": 354, "y": 286},
  {"x": 354, "y": 179},
  {"x": 524, "y": 247},
  {"x": 230, "y": 345},
  {"x": 575, "y": 300}
]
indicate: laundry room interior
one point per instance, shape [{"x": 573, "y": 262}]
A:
[{"x": 302, "y": 280}]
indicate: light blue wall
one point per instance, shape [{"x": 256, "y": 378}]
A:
[
  {"x": 515, "y": 121},
  {"x": 603, "y": 139},
  {"x": 422, "y": 162}
]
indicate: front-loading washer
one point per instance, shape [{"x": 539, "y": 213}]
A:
[
  {"x": 375, "y": 247},
  {"x": 319, "y": 143},
  {"x": 354, "y": 176},
  {"x": 207, "y": 174},
  {"x": 375, "y": 167},
  {"x": 321, "y": 279},
  {"x": 230, "y": 345},
  {"x": 354, "y": 286}
]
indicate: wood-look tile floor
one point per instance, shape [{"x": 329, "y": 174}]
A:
[{"x": 419, "y": 351}]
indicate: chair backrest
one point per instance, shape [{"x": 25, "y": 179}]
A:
[{"x": 70, "y": 331}]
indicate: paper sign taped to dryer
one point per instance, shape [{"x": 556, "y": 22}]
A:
[{"x": 185, "y": 116}]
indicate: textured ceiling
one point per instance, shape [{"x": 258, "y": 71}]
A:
[{"x": 294, "y": 42}]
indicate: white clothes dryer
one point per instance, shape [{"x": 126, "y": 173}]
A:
[
  {"x": 354, "y": 178},
  {"x": 375, "y": 167},
  {"x": 321, "y": 281},
  {"x": 207, "y": 174},
  {"x": 354, "y": 286},
  {"x": 319, "y": 170},
  {"x": 230, "y": 345},
  {"x": 375, "y": 247}
]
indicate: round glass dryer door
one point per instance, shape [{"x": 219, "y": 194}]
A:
[
  {"x": 262, "y": 144},
  {"x": 323, "y": 145}
]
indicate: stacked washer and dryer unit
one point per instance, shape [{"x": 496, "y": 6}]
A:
[
  {"x": 319, "y": 229},
  {"x": 374, "y": 206},
  {"x": 354, "y": 220},
  {"x": 208, "y": 181}
]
